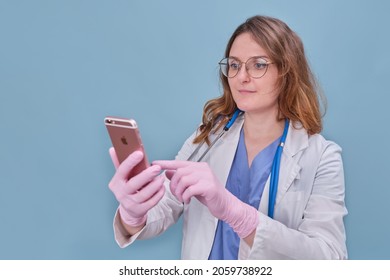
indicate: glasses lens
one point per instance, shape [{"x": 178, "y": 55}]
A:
[
  {"x": 256, "y": 67},
  {"x": 229, "y": 67}
]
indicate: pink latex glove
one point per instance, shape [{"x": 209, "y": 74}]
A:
[
  {"x": 136, "y": 195},
  {"x": 196, "y": 179}
]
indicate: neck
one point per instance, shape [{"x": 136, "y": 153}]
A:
[
  {"x": 263, "y": 126},
  {"x": 260, "y": 131}
]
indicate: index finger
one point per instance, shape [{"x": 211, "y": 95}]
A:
[{"x": 171, "y": 164}]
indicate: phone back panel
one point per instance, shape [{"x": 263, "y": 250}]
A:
[{"x": 126, "y": 139}]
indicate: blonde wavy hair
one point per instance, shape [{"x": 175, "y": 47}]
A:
[{"x": 299, "y": 94}]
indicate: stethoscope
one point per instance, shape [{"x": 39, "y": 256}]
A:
[{"x": 274, "y": 180}]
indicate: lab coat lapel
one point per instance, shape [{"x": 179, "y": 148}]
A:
[
  {"x": 289, "y": 171},
  {"x": 297, "y": 140},
  {"x": 224, "y": 151}
]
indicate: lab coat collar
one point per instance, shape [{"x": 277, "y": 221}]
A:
[{"x": 297, "y": 139}]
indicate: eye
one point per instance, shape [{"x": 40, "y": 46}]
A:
[
  {"x": 259, "y": 65},
  {"x": 234, "y": 65}
]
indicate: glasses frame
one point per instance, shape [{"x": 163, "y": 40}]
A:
[{"x": 224, "y": 64}]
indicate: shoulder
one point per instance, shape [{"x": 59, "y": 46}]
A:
[
  {"x": 320, "y": 159},
  {"x": 300, "y": 139},
  {"x": 323, "y": 143},
  {"x": 311, "y": 149}
]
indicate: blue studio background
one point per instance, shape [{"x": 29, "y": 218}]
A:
[{"x": 65, "y": 65}]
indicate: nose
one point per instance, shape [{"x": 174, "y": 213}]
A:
[{"x": 243, "y": 75}]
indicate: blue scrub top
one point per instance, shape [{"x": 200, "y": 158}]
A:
[{"x": 247, "y": 184}]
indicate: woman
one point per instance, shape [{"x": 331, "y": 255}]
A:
[{"x": 228, "y": 207}]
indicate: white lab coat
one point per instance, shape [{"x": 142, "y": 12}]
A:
[{"x": 309, "y": 209}]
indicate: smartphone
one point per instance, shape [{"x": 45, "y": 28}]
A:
[{"x": 126, "y": 139}]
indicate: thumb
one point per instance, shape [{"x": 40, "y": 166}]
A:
[{"x": 114, "y": 157}]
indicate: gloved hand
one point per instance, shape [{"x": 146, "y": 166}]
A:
[
  {"x": 136, "y": 195},
  {"x": 196, "y": 179}
]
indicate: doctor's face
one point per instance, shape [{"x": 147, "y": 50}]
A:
[{"x": 251, "y": 93}]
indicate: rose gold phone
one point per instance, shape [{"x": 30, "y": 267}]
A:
[{"x": 125, "y": 138}]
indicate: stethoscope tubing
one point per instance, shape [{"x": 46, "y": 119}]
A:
[
  {"x": 226, "y": 128},
  {"x": 274, "y": 180}
]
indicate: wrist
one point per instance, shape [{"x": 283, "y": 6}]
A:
[
  {"x": 130, "y": 221},
  {"x": 242, "y": 217}
]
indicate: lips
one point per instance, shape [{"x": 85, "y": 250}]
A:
[{"x": 246, "y": 91}]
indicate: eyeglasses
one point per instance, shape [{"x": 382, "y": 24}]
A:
[{"x": 256, "y": 66}]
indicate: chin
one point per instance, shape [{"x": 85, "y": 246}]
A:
[{"x": 246, "y": 107}]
